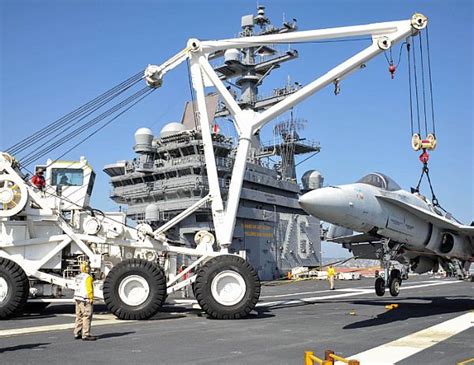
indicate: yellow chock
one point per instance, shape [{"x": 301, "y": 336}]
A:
[
  {"x": 329, "y": 358},
  {"x": 352, "y": 313},
  {"x": 391, "y": 306}
]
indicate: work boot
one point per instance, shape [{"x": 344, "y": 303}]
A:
[
  {"x": 78, "y": 336},
  {"x": 89, "y": 338}
]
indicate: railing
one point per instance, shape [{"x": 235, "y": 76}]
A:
[{"x": 329, "y": 358}]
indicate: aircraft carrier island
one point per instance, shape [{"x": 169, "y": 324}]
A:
[{"x": 168, "y": 174}]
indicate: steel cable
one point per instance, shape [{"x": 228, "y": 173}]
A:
[
  {"x": 70, "y": 116},
  {"x": 423, "y": 84},
  {"x": 143, "y": 93},
  {"x": 416, "y": 92},
  {"x": 410, "y": 87},
  {"x": 73, "y": 122},
  {"x": 79, "y": 130},
  {"x": 431, "y": 83}
]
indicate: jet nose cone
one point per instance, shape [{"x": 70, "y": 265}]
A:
[{"x": 328, "y": 204}]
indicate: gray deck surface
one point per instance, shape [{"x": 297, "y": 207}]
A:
[{"x": 291, "y": 318}]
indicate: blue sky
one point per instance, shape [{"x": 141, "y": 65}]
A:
[{"x": 56, "y": 55}]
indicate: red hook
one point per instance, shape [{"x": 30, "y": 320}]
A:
[{"x": 424, "y": 157}]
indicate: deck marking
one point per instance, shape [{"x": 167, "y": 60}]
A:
[
  {"x": 299, "y": 293},
  {"x": 398, "y": 350},
  {"x": 344, "y": 295},
  {"x": 109, "y": 319},
  {"x": 184, "y": 301},
  {"x": 357, "y": 289},
  {"x": 55, "y": 327},
  {"x": 338, "y": 293}
]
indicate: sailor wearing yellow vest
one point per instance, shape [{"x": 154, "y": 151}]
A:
[
  {"x": 84, "y": 298},
  {"x": 331, "y": 274}
]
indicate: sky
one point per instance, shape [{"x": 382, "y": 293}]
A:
[{"x": 57, "y": 55}]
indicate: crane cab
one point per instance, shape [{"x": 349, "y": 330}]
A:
[{"x": 73, "y": 181}]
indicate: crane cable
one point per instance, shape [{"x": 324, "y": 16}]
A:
[
  {"x": 430, "y": 142},
  {"x": 74, "y": 203},
  {"x": 56, "y": 138},
  {"x": 141, "y": 96},
  {"x": 52, "y": 146},
  {"x": 45, "y": 131}
]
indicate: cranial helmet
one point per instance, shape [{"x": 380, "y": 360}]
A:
[{"x": 85, "y": 267}]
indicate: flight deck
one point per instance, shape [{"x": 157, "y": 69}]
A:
[{"x": 433, "y": 324}]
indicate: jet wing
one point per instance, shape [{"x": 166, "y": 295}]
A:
[
  {"x": 356, "y": 238},
  {"x": 362, "y": 245},
  {"x": 428, "y": 216}
]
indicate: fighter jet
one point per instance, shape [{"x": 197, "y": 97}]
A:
[{"x": 393, "y": 224}]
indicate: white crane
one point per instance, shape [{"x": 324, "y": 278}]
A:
[{"x": 42, "y": 239}]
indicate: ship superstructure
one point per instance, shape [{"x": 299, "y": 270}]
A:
[{"x": 169, "y": 173}]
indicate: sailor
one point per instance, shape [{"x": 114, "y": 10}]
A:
[
  {"x": 84, "y": 298},
  {"x": 38, "y": 179},
  {"x": 64, "y": 180},
  {"x": 331, "y": 274}
]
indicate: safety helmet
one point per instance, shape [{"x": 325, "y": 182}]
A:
[{"x": 85, "y": 267}]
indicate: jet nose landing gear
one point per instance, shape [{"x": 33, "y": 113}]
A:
[
  {"x": 392, "y": 278},
  {"x": 393, "y": 284}
]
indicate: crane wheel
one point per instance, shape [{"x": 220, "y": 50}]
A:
[
  {"x": 227, "y": 287},
  {"x": 380, "y": 287},
  {"x": 135, "y": 289},
  {"x": 14, "y": 288}
]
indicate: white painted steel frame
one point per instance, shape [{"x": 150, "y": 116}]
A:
[{"x": 247, "y": 122}]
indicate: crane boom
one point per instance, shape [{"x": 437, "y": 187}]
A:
[{"x": 248, "y": 122}]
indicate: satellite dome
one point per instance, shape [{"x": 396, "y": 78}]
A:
[
  {"x": 232, "y": 55},
  {"x": 143, "y": 140},
  {"x": 171, "y": 128},
  {"x": 152, "y": 212},
  {"x": 312, "y": 179}
]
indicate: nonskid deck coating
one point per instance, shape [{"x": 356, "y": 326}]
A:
[{"x": 291, "y": 318}]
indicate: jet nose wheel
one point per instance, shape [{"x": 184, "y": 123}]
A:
[
  {"x": 227, "y": 287},
  {"x": 395, "y": 287},
  {"x": 380, "y": 287}
]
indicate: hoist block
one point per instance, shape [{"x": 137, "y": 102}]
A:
[{"x": 429, "y": 143}]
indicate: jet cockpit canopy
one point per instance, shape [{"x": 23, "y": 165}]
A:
[{"x": 381, "y": 181}]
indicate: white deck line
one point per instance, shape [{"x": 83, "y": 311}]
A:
[
  {"x": 102, "y": 320},
  {"x": 354, "y": 292},
  {"x": 56, "y": 327},
  {"x": 398, "y": 350}
]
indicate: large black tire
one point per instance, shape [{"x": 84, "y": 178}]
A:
[
  {"x": 380, "y": 286},
  {"x": 165, "y": 297},
  {"x": 15, "y": 281},
  {"x": 135, "y": 289},
  {"x": 219, "y": 287},
  {"x": 395, "y": 286}
]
